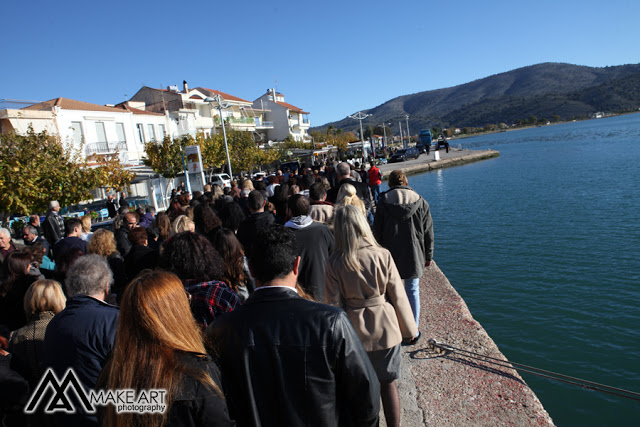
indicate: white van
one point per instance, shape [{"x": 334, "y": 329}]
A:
[{"x": 221, "y": 179}]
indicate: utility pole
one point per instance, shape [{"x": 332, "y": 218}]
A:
[
  {"x": 360, "y": 116},
  {"x": 401, "y": 137},
  {"x": 408, "y": 133}
]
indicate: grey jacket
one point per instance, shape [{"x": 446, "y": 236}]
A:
[{"x": 404, "y": 226}]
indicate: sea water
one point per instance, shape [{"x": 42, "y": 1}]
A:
[{"x": 543, "y": 244}]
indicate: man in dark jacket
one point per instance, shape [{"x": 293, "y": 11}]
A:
[
  {"x": 30, "y": 236},
  {"x": 315, "y": 243},
  {"x": 73, "y": 228},
  {"x": 287, "y": 360},
  {"x": 111, "y": 206},
  {"x": 256, "y": 221},
  {"x": 130, "y": 221},
  {"x": 404, "y": 226},
  {"x": 124, "y": 203},
  {"x": 343, "y": 170},
  {"x": 81, "y": 336},
  {"x": 53, "y": 226}
]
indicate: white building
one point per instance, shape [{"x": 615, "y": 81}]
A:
[
  {"x": 287, "y": 119},
  {"x": 191, "y": 114},
  {"x": 96, "y": 129}
]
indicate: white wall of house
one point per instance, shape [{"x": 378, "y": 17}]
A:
[{"x": 285, "y": 122}]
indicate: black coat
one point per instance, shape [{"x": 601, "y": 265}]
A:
[
  {"x": 53, "y": 227},
  {"x": 12, "y": 313},
  {"x": 139, "y": 258},
  {"x": 251, "y": 226},
  {"x": 80, "y": 337},
  {"x": 123, "y": 244},
  {"x": 362, "y": 190},
  {"x": 315, "y": 243},
  {"x": 195, "y": 404},
  {"x": 288, "y": 361},
  {"x": 67, "y": 244}
]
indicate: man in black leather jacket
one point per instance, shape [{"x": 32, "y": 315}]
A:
[{"x": 289, "y": 361}]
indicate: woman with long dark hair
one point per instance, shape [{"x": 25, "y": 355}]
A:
[
  {"x": 236, "y": 272},
  {"x": 362, "y": 278},
  {"x": 159, "y": 346},
  {"x": 206, "y": 221},
  {"x": 16, "y": 279},
  {"x": 194, "y": 260}
]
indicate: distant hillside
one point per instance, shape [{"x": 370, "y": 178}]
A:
[{"x": 541, "y": 90}]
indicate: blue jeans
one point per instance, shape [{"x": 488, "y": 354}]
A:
[
  {"x": 375, "y": 191},
  {"x": 412, "y": 286}
]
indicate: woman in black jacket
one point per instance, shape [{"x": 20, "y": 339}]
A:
[{"x": 159, "y": 346}]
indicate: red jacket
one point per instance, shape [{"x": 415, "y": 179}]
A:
[{"x": 375, "y": 177}]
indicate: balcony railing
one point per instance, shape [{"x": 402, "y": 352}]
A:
[
  {"x": 105, "y": 148},
  {"x": 242, "y": 120},
  {"x": 264, "y": 125},
  {"x": 236, "y": 120}
]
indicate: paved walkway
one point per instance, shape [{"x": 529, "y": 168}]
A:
[
  {"x": 427, "y": 162},
  {"x": 449, "y": 390}
]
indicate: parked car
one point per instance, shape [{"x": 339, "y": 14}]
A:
[
  {"x": 404, "y": 154},
  {"x": 221, "y": 179}
]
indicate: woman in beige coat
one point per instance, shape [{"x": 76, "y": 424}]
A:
[{"x": 362, "y": 278}]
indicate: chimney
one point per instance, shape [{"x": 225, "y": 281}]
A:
[{"x": 184, "y": 84}]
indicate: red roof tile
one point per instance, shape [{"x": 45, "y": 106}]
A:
[
  {"x": 71, "y": 104},
  {"x": 226, "y": 96},
  {"x": 127, "y": 107},
  {"x": 291, "y": 107}
]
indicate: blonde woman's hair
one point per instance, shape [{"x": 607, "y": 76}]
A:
[
  {"x": 102, "y": 242},
  {"x": 347, "y": 196},
  {"x": 350, "y": 229},
  {"x": 247, "y": 184},
  {"x": 44, "y": 295},
  {"x": 86, "y": 223},
  {"x": 217, "y": 192},
  {"x": 181, "y": 224}
]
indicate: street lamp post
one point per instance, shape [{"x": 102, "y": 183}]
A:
[
  {"x": 361, "y": 116},
  {"x": 221, "y": 104},
  {"x": 408, "y": 133}
]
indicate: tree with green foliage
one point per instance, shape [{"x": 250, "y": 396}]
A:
[{"x": 38, "y": 167}]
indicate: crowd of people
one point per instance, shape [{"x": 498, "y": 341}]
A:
[{"x": 281, "y": 300}]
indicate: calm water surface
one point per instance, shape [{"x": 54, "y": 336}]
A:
[{"x": 543, "y": 243}]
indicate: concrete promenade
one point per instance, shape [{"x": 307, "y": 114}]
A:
[
  {"x": 439, "y": 389},
  {"x": 427, "y": 162}
]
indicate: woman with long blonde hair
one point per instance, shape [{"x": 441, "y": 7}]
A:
[
  {"x": 347, "y": 196},
  {"x": 361, "y": 277},
  {"x": 159, "y": 346}
]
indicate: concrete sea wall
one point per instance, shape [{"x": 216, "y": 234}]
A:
[{"x": 446, "y": 389}]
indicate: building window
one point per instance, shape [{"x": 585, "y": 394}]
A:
[
  {"x": 140, "y": 133},
  {"x": 101, "y": 135},
  {"x": 122, "y": 139},
  {"x": 152, "y": 133},
  {"x": 78, "y": 137},
  {"x": 162, "y": 132}
]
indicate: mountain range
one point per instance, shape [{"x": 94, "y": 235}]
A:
[{"x": 544, "y": 90}]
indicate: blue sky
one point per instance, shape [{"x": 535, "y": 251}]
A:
[{"x": 331, "y": 58}]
